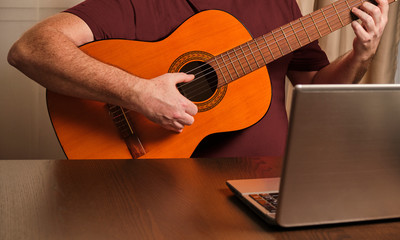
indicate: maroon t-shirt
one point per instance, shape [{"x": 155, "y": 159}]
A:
[{"x": 152, "y": 20}]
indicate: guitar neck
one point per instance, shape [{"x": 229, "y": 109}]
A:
[{"x": 258, "y": 52}]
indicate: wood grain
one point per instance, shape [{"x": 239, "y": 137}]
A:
[{"x": 146, "y": 199}]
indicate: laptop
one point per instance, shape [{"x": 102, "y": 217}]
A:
[{"x": 342, "y": 160}]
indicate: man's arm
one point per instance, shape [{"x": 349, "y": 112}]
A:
[
  {"x": 351, "y": 67},
  {"x": 48, "y": 53}
]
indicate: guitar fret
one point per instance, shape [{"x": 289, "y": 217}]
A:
[
  {"x": 244, "y": 72},
  {"x": 227, "y": 67},
  {"x": 334, "y": 21},
  {"x": 252, "y": 53},
  {"x": 259, "y": 49},
  {"x": 294, "y": 33},
  {"x": 287, "y": 40},
  {"x": 316, "y": 26},
  {"x": 348, "y": 6},
  {"x": 245, "y": 57},
  {"x": 220, "y": 69},
  {"x": 345, "y": 14},
  {"x": 303, "y": 37},
  {"x": 277, "y": 43},
  {"x": 312, "y": 28},
  {"x": 337, "y": 13},
  {"x": 269, "y": 49},
  {"x": 234, "y": 68},
  {"x": 323, "y": 22},
  {"x": 327, "y": 22},
  {"x": 305, "y": 30}
]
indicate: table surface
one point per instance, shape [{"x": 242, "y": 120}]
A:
[{"x": 147, "y": 199}]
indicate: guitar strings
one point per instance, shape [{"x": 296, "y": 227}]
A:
[
  {"x": 341, "y": 7},
  {"x": 313, "y": 24},
  {"x": 221, "y": 66},
  {"x": 268, "y": 45}
]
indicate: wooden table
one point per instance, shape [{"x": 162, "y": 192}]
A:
[{"x": 146, "y": 199}]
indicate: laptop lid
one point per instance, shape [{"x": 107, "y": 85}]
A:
[{"x": 342, "y": 161}]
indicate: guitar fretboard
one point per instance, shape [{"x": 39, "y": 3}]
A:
[{"x": 258, "y": 52}]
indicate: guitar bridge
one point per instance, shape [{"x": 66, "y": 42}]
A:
[{"x": 122, "y": 122}]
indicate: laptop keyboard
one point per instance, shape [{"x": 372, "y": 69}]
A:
[{"x": 268, "y": 200}]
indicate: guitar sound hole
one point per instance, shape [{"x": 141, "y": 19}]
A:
[{"x": 203, "y": 86}]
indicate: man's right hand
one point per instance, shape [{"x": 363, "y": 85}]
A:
[
  {"x": 161, "y": 102},
  {"x": 49, "y": 54}
]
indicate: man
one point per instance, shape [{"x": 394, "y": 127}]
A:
[{"x": 49, "y": 54}]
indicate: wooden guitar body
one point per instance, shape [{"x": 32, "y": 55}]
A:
[
  {"x": 86, "y": 130},
  {"x": 231, "y": 87}
]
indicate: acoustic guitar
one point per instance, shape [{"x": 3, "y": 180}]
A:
[{"x": 231, "y": 88}]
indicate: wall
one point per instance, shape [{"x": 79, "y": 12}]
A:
[
  {"x": 25, "y": 129},
  {"x": 397, "y": 78}
]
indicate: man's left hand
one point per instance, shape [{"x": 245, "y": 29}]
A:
[{"x": 369, "y": 31}]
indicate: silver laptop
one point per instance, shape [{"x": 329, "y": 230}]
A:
[{"x": 342, "y": 161}]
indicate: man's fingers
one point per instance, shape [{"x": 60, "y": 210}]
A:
[
  {"x": 187, "y": 120},
  {"x": 171, "y": 109},
  {"x": 373, "y": 11},
  {"x": 374, "y": 18},
  {"x": 178, "y": 127},
  {"x": 191, "y": 108},
  {"x": 367, "y": 21},
  {"x": 183, "y": 77},
  {"x": 360, "y": 31},
  {"x": 384, "y": 6}
]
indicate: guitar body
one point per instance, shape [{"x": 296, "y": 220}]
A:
[{"x": 86, "y": 130}]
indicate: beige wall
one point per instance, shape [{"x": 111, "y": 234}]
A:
[
  {"x": 25, "y": 129},
  {"x": 397, "y": 77}
]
